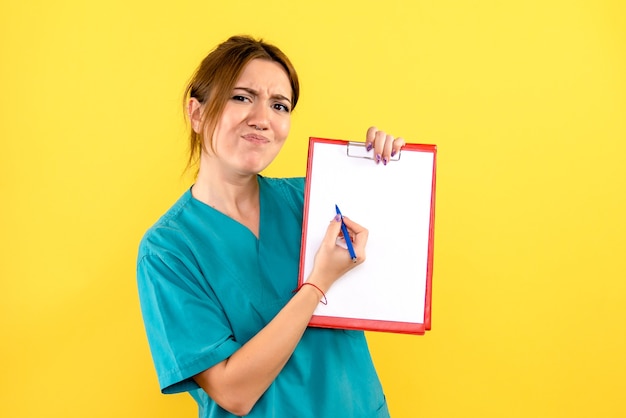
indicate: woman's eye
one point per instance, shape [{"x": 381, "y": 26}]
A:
[
  {"x": 281, "y": 107},
  {"x": 240, "y": 98}
]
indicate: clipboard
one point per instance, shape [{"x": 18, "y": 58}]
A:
[{"x": 392, "y": 290}]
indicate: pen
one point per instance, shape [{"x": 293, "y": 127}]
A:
[{"x": 346, "y": 235}]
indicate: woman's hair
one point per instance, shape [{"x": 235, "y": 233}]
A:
[{"x": 213, "y": 82}]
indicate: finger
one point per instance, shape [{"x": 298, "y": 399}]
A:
[
  {"x": 333, "y": 231},
  {"x": 398, "y": 143},
  {"x": 387, "y": 148},
  {"x": 359, "y": 232},
  {"x": 369, "y": 137},
  {"x": 379, "y": 144}
]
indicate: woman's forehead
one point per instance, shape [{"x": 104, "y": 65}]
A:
[{"x": 265, "y": 74}]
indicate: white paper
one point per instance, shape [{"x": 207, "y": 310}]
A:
[{"x": 394, "y": 203}]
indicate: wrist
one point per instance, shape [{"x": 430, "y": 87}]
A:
[
  {"x": 320, "y": 280},
  {"x": 316, "y": 289}
]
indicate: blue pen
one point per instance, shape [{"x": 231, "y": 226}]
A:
[{"x": 346, "y": 235}]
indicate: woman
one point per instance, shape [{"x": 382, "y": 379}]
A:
[{"x": 216, "y": 274}]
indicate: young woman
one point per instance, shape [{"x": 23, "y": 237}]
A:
[{"x": 216, "y": 273}]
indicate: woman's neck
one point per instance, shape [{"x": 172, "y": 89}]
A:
[{"x": 236, "y": 196}]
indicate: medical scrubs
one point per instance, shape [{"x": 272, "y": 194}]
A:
[{"x": 207, "y": 285}]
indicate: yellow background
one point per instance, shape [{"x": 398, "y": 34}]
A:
[{"x": 526, "y": 101}]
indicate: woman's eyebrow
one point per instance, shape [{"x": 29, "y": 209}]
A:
[{"x": 253, "y": 92}]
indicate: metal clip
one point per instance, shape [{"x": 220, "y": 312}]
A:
[{"x": 358, "y": 150}]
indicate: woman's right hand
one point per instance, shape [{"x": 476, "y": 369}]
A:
[{"x": 333, "y": 261}]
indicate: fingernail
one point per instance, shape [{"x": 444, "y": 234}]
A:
[
  {"x": 368, "y": 147},
  {"x": 385, "y": 161},
  {"x": 337, "y": 218},
  {"x": 393, "y": 152},
  {"x": 377, "y": 158}
]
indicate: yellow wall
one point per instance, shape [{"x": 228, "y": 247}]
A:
[{"x": 526, "y": 101}]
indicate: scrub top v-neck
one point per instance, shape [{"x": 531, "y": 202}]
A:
[{"x": 207, "y": 285}]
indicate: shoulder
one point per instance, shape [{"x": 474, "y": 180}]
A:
[
  {"x": 290, "y": 184},
  {"x": 290, "y": 190},
  {"x": 169, "y": 230}
]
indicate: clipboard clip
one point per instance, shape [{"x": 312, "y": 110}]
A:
[{"x": 358, "y": 150}]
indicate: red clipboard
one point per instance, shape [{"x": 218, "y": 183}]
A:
[{"x": 392, "y": 290}]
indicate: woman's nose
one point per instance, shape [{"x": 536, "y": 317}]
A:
[{"x": 259, "y": 117}]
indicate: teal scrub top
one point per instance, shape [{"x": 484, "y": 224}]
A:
[{"x": 207, "y": 285}]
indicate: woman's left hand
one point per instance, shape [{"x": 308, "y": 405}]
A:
[{"x": 384, "y": 145}]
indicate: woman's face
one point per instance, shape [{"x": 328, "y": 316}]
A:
[{"x": 255, "y": 121}]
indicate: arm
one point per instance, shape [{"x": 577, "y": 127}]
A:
[{"x": 239, "y": 381}]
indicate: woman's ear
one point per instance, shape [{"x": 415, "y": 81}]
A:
[{"x": 194, "y": 111}]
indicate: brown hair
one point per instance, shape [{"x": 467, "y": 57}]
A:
[{"x": 214, "y": 79}]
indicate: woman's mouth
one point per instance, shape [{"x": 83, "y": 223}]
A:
[{"x": 256, "y": 138}]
